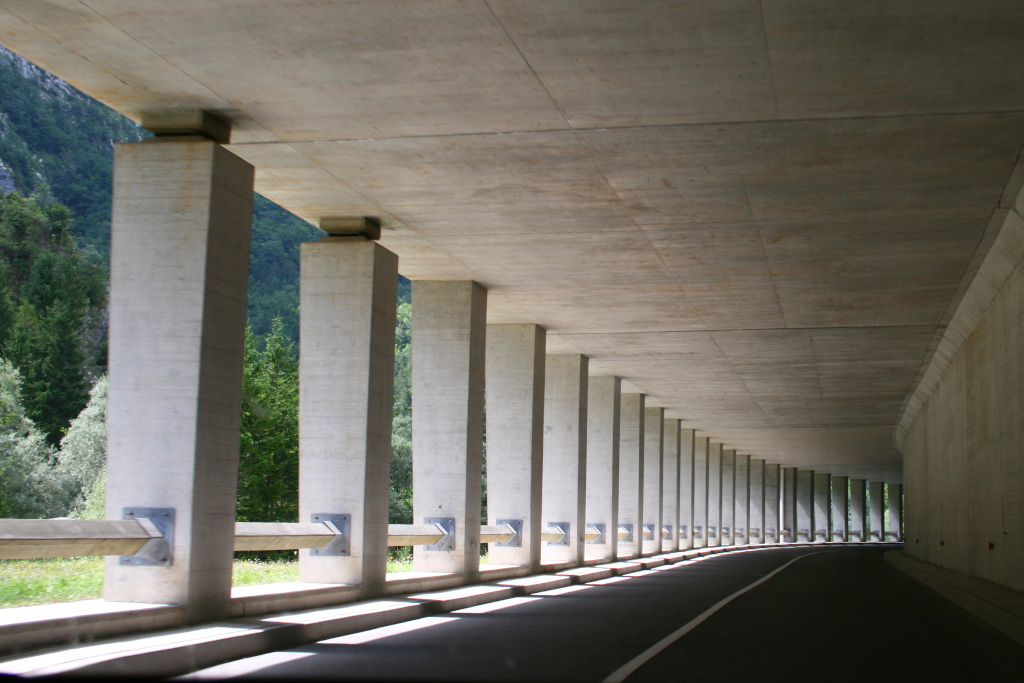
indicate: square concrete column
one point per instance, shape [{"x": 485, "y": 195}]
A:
[
  {"x": 821, "y": 512},
  {"x": 179, "y": 272},
  {"x": 603, "y": 408},
  {"x": 725, "y": 535},
  {"x": 894, "y": 529},
  {"x": 714, "y": 494},
  {"x": 756, "y": 520},
  {"x": 631, "y": 473},
  {"x": 348, "y": 289},
  {"x": 670, "y": 490},
  {"x": 876, "y": 500},
  {"x": 449, "y": 324},
  {"x": 840, "y": 509},
  {"x": 654, "y": 472},
  {"x": 789, "y": 516},
  {"x": 565, "y": 455},
  {"x": 741, "y": 509},
  {"x": 804, "y": 506},
  {"x": 702, "y": 445},
  {"x": 686, "y": 483},
  {"x": 772, "y": 519},
  {"x": 858, "y": 510},
  {"x": 515, "y": 438}
]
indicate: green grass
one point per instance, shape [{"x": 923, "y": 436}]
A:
[
  {"x": 65, "y": 579},
  {"x": 40, "y": 582}
]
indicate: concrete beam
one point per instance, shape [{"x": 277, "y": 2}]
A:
[
  {"x": 858, "y": 510},
  {"x": 565, "y": 453},
  {"x": 631, "y": 472},
  {"x": 876, "y": 516},
  {"x": 772, "y": 493},
  {"x": 515, "y": 437},
  {"x": 654, "y": 472},
  {"x": 714, "y": 494},
  {"x": 804, "y": 506},
  {"x": 741, "y": 495},
  {"x": 728, "y": 530},
  {"x": 757, "y": 501},
  {"x": 603, "y": 410},
  {"x": 839, "y": 520},
  {"x": 179, "y": 271},
  {"x": 670, "y": 489},
  {"x": 702, "y": 445},
  {"x": 449, "y": 326},
  {"x": 346, "y": 379},
  {"x": 821, "y": 517},
  {"x": 789, "y": 505},
  {"x": 687, "y": 481}
]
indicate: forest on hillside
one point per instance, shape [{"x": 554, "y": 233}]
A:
[{"x": 56, "y": 169}]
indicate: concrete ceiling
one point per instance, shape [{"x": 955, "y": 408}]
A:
[{"x": 756, "y": 212}]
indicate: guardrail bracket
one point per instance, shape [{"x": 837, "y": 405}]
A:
[
  {"x": 159, "y": 549},
  {"x": 339, "y": 547},
  {"x": 564, "y": 527},
  {"x": 517, "y": 539},
  {"x": 447, "y": 542}
]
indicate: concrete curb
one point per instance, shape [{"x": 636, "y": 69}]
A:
[{"x": 1000, "y": 608}]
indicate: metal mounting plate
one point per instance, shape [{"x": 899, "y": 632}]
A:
[
  {"x": 157, "y": 552},
  {"x": 600, "y": 539},
  {"x": 340, "y": 546},
  {"x": 649, "y": 529},
  {"x": 666, "y": 530},
  {"x": 517, "y": 540},
  {"x": 564, "y": 527},
  {"x": 629, "y": 533},
  {"x": 446, "y": 542}
]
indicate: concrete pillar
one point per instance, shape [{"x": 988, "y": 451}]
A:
[
  {"x": 631, "y": 472},
  {"x": 772, "y": 520},
  {"x": 727, "y": 533},
  {"x": 715, "y": 494},
  {"x": 876, "y": 499},
  {"x": 702, "y": 445},
  {"x": 670, "y": 488},
  {"x": 515, "y": 438},
  {"x": 804, "y": 506},
  {"x": 686, "y": 483},
  {"x": 840, "y": 509},
  {"x": 741, "y": 514},
  {"x": 346, "y": 378},
  {"x": 565, "y": 454},
  {"x": 821, "y": 512},
  {"x": 654, "y": 472},
  {"x": 895, "y": 525},
  {"x": 179, "y": 269},
  {"x": 858, "y": 510},
  {"x": 789, "y": 520},
  {"x": 603, "y": 406},
  {"x": 449, "y": 324},
  {"x": 756, "y": 519}
]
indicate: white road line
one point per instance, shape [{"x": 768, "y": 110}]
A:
[{"x": 632, "y": 665}]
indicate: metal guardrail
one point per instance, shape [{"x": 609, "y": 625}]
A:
[{"x": 22, "y": 539}]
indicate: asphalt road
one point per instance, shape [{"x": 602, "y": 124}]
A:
[{"x": 836, "y": 614}]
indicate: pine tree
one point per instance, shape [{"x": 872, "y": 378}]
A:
[{"x": 268, "y": 486}]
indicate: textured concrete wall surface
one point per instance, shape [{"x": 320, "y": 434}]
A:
[{"x": 964, "y": 470}]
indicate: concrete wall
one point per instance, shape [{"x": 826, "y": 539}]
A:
[{"x": 963, "y": 469}]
